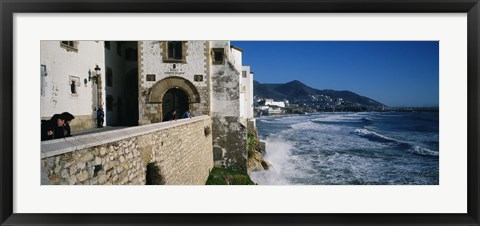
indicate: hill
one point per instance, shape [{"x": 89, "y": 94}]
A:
[{"x": 298, "y": 93}]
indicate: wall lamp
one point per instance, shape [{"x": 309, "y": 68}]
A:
[{"x": 96, "y": 75}]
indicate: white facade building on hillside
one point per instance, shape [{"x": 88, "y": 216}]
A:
[{"x": 271, "y": 102}]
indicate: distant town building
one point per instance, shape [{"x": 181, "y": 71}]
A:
[{"x": 271, "y": 102}]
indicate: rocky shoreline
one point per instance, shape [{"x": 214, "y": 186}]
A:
[{"x": 256, "y": 151}]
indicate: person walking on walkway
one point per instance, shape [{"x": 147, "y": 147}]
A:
[
  {"x": 169, "y": 116},
  {"x": 186, "y": 114},
  {"x": 100, "y": 117}
]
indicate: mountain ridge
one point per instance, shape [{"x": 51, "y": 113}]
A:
[{"x": 297, "y": 92}]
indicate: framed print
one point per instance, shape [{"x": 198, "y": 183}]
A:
[{"x": 347, "y": 112}]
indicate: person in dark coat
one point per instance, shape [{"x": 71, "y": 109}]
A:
[
  {"x": 58, "y": 124},
  {"x": 100, "y": 117},
  {"x": 170, "y": 116},
  {"x": 46, "y": 130},
  {"x": 53, "y": 128},
  {"x": 67, "y": 117}
]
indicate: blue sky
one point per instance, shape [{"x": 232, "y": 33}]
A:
[{"x": 395, "y": 73}]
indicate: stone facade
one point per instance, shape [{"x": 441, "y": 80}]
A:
[
  {"x": 181, "y": 150},
  {"x": 171, "y": 74},
  {"x": 217, "y": 93},
  {"x": 230, "y": 135}
]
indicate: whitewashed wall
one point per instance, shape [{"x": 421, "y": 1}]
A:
[
  {"x": 248, "y": 93},
  {"x": 60, "y": 65},
  {"x": 153, "y": 63},
  {"x": 236, "y": 58}
]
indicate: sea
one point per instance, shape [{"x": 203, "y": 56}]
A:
[{"x": 337, "y": 148}]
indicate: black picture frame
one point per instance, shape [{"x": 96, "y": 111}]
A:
[{"x": 10, "y": 7}]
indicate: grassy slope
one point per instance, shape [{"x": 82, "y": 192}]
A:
[{"x": 220, "y": 176}]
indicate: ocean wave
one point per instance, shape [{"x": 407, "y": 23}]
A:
[
  {"x": 305, "y": 125},
  {"x": 344, "y": 118},
  {"x": 417, "y": 150},
  {"x": 366, "y": 120},
  {"x": 411, "y": 148},
  {"x": 284, "y": 165},
  {"x": 265, "y": 121},
  {"x": 336, "y": 118},
  {"x": 373, "y": 136}
]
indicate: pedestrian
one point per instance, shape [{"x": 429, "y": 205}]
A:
[
  {"x": 67, "y": 117},
  {"x": 46, "y": 130},
  {"x": 169, "y": 116},
  {"x": 53, "y": 128},
  {"x": 186, "y": 114},
  {"x": 100, "y": 117},
  {"x": 58, "y": 125}
]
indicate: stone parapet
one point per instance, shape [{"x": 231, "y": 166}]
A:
[{"x": 181, "y": 150}]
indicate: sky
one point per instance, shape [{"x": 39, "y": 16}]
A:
[{"x": 395, "y": 73}]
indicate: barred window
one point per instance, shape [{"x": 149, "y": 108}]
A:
[{"x": 174, "y": 50}]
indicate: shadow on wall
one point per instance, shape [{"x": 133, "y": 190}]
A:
[{"x": 153, "y": 175}]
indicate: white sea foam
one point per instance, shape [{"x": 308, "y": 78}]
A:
[
  {"x": 371, "y": 134},
  {"x": 265, "y": 121},
  {"x": 339, "y": 117},
  {"x": 422, "y": 151},
  {"x": 305, "y": 125},
  {"x": 283, "y": 164}
]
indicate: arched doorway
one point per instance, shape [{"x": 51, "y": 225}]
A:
[
  {"x": 170, "y": 93},
  {"x": 175, "y": 99}
]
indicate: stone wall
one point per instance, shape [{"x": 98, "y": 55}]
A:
[
  {"x": 182, "y": 151},
  {"x": 229, "y": 143},
  {"x": 229, "y": 134}
]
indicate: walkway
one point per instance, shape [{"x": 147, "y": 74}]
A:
[{"x": 97, "y": 130}]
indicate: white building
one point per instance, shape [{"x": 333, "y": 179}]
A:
[
  {"x": 247, "y": 76},
  {"x": 68, "y": 82},
  {"x": 271, "y": 102}
]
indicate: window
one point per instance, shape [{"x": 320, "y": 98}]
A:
[
  {"x": 107, "y": 45},
  {"x": 74, "y": 82},
  {"x": 73, "y": 87},
  {"x": 244, "y": 74},
  {"x": 218, "y": 55},
  {"x": 43, "y": 74},
  {"x": 174, "y": 51},
  {"x": 109, "y": 77},
  {"x": 150, "y": 78},
  {"x": 69, "y": 45},
  {"x": 198, "y": 78}
]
